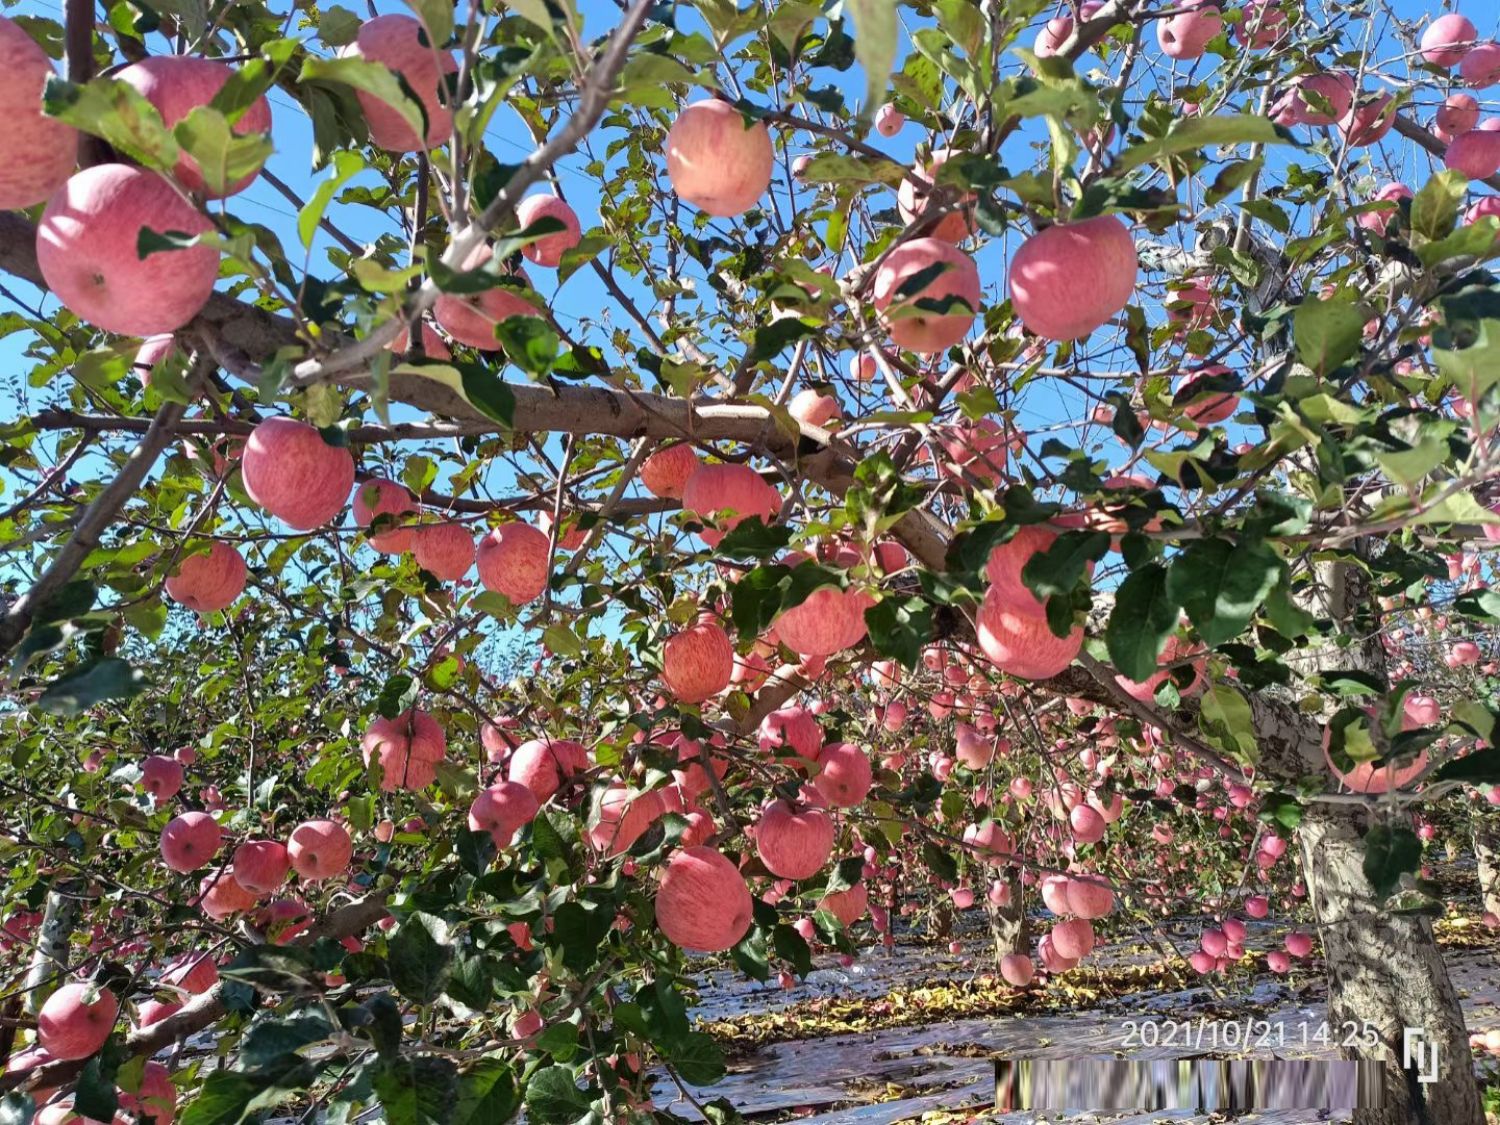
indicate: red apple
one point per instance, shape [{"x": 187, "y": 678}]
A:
[
  {"x": 717, "y": 162},
  {"x": 178, "y": 84},
  {"x": 665, "y": 473},
  {"x": 39, "y": 152},
  {"x": 189, "y": 841},
  {"x": 714, "y": 490},
  {"x": 408, "y": 748},
  {"x": 402, "y": 44},
  {"x": 1187, "y": 34},
  {"x": 502, "y": 810},
  {"x": 703, "y": 904},
  {"x": 1068, "y": 280},
  {"x": 513, "y": 561},
  {"x": 908, "y": 316},
  {"x": 549, "y": 249},
  {"x": 472, "y": 318},
  {"x": 380, "y": 497},
  {"x": 698, "y": 661},
  {"x": 210, "y": 582},
  {"x": 86, "y": 249},
  {"x": 294, "y": 474},
  {"x": 75, "y": 1021},
  {"x": 319, "y": 849},
  {"x": 444, "y": 550},
  {"x": 260, "y": 866},
  {"x": 542, "y": 764},
  {"x": 793, "y": 843},
  {"x": 844, "y": 774},
  {"x": 1447, "y": 40}
]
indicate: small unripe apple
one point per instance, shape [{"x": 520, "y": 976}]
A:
[{"x": 889, "y": 120}]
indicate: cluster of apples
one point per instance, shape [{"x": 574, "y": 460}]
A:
[
  {"x": 88, "y": 235},
  {"x": 1065, "y": 281}
]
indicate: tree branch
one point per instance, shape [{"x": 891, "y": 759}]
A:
[
  {"x": 95, "y": 521},
  {"x": 203, "y": 1010}
]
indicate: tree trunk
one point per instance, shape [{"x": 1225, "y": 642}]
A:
[
  {"x": 54, "y": 936},
  {"x": 1008, "y": 922},
  {"x": 1385, "y": 970},
  {"x": 1487, "y": 851}
]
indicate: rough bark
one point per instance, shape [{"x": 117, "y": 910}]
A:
[
  {"x": 1385, "y": 970},
  {"x": 1487, "y": 852},
  {"x": 49, "y": 961},
  {"x": 1008, "y": 922}
]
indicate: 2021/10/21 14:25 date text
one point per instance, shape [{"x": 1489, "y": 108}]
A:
[{"x": 1249, "y": 1035}]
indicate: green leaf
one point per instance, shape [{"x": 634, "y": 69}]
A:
[
  {"x": 96, "y": 1097},
  {"x": 549, "y": 841},
  {"x": 530, "y": 344},
  {"x": 1225, "y": 720},
  {"x": 845, "y": 874},
  {"x": 1144, "y": 616},
  {"x": 271, "y": 1039},
  {"x": 841, "y": 168},
  {"x": 1221, "y": 585},
  {"x": 1327, "y": 332},
  {"x": 1475, "y": 717},
  {"x": 416, "y": 1090},
  {"x": 560, "y": 1040},
  {"x": 1389, "y": 854},
  {"x": 397, "y": 695},
  {"x": 1434, "y": 210},
  {"x": 17, "y": 1109},
  {"x": 581, "y": 930},
  {"x": 553, "y": 1097},
  {"x": 1280, "y": 808},
  {"x": 109, "y": 678},
  {"x": 420, "y": 955},
  {"x": 436, "y": 17},
  {"x": 1189, "y": 134},
  {"x": 876, "y": 32},
  {"x": 1060, "y": 568},
  {"x": 229, "y": 1097},
  {"x": 900, "y": 628},
  {"x": 487, "y": 1094},
  {"x": 1482, "y": 767},
  {"x": 346, "y": 164},
  {"x": 476, "y": 384},
  {"x": 697, "y": 1059},
  {"x": 373, "y": 79},
  {"x": 116, "y": 112},
  {"x": 223, "y": 156}
]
